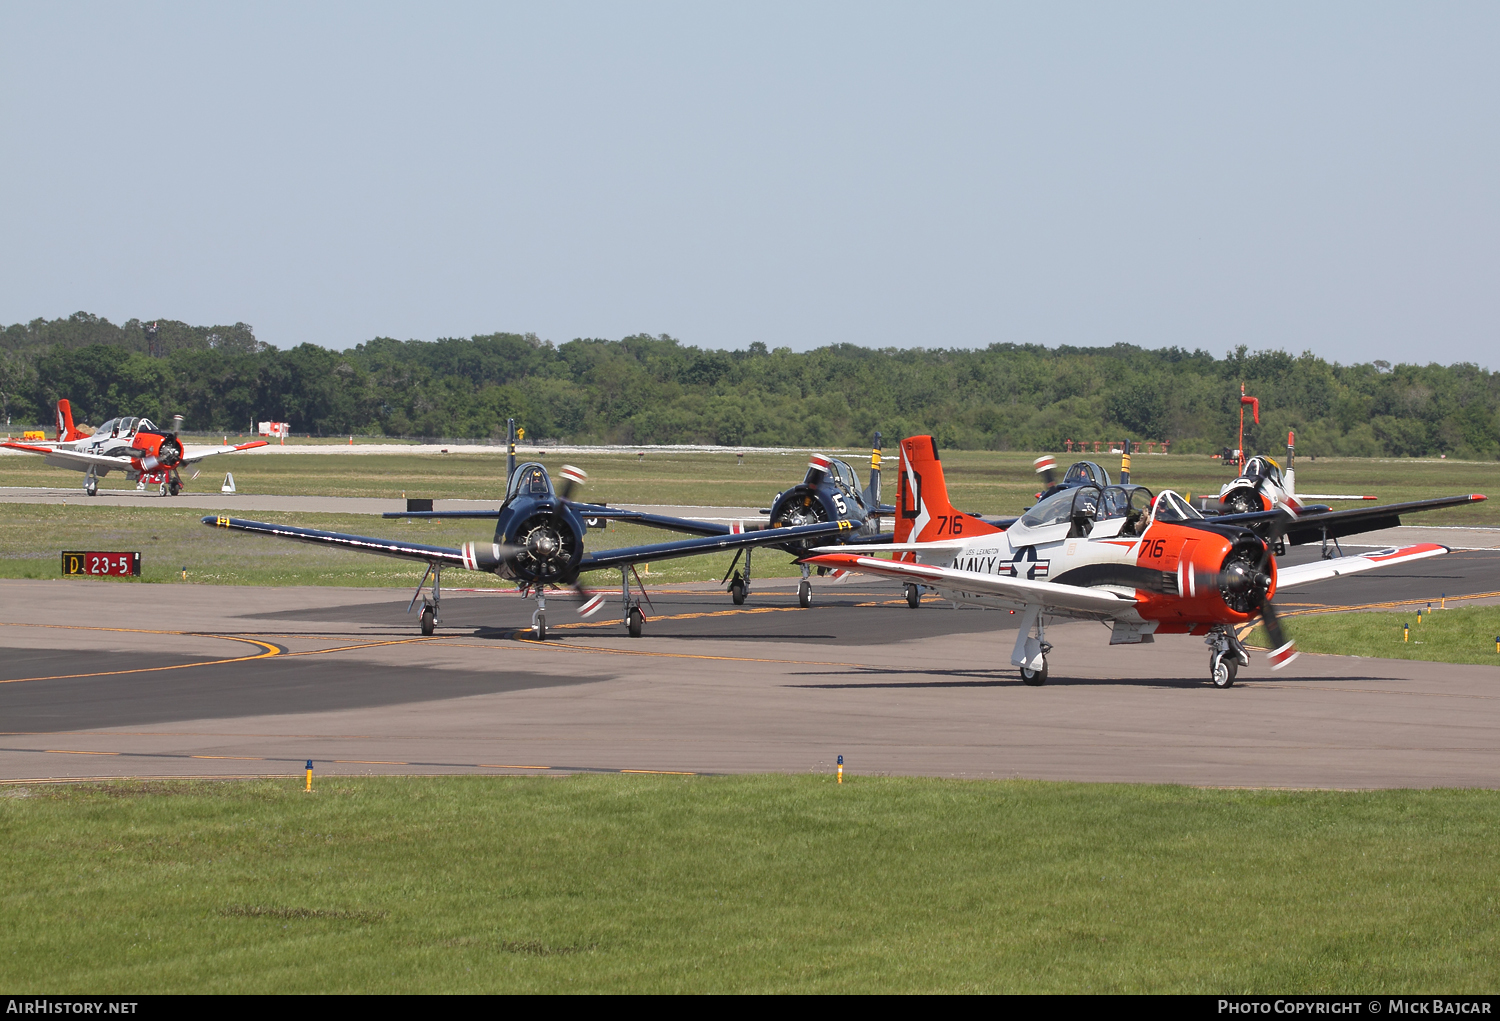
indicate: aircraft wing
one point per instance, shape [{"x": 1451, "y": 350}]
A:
[
  {"x": 81, "y": 462},
  {"x": 442, "y": 555},
  {"x": 1322, "y": 570},
  {"x": 193, "y": 454},
  {"x": 45, "y": 447},
  {"x": 711, "y": 544},
  {"x": 1071, "y": 599},
  {"x": 688, "y": 526},
  {"x": 1336, "y": 524}
]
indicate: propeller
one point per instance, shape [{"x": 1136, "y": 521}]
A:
[
  {"x": 1283, "y": 649},
  {"x": 573, "y": 478}
]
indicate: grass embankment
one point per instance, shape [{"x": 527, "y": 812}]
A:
[
  {"x": 989, "y": 482},
  {"x": 1457, "y": 635},
  {"x": 32, "y": 537},
  {"x": 757, "y": 883}
]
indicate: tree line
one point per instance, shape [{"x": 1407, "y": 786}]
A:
[{"x": 644, "y": 389}]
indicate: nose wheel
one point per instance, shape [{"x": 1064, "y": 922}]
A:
[
  {"x": 804, "y": 593},
  {"x": 1222, "y": 668},
  {"x": 429, "y": 620},
  {"x": 913, "y": 596},
  {"x": 1226, "y": 657}
]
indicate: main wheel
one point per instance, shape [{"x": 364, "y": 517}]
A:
[
  {"x": 635, "y": 621},
  {"x": 737, "y": 592},
  {"x": 913, "y": 596},
  {"x": 1222, "y": 668},
  {"x": 1035, "y": 678},
  {"x": 539, "y": 629},
  {"x": 161, "y": 490},
  {"x": 173, "y": 488},
  {"x": 429, "y": 620},
  {"x": 804, "y": 593},
  {"x": 91, "y": 487}
]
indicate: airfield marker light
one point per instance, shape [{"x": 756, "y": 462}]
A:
[
  {"x": 309, "y": 776},
  {"x": 1406, "y": 632},
  {"x": 1443, "y": 604},
  {"x": 1497, "y": 643},
  {"x": 841, "y": 758},
  {"x": 184, "y": 572}
]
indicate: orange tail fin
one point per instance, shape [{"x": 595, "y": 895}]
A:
[
  {"x": 66, "y": 430},
  {"x": 923, "y": 512}
]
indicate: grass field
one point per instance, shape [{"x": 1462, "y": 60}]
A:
[
  {"x": 985, "y": 481},
  {"x": 169, "y": 539},
  {"x": 1455, "y": 635},
  {"x": 744, "y": 884}
]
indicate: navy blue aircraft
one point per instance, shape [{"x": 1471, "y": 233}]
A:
[
  {"x": 539, "y": 544},
  {"x": 828, "y": 494}
]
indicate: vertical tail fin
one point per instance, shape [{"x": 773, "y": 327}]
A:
[
  {"x": 923, "y": 512},
  {"x": 66, "y": 430},
  {"x": 872, "y": 491}
]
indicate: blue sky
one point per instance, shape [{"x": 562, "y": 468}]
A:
[{"x": 1298, "y": 176}]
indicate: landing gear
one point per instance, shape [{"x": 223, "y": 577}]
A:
[
  {"x": 913, "y": 596},
  {"x": 635, "y": 617},
  {"x": 804, "y": 590},
  {"x": 1030, "y": 653},
  {"x": 430, "y": 614},
  {"x": 539, "y": 618},
  {"x": 739, "y": 588},
  {"x": 174, "y": 484},
  {"x": 161, "y": 490},
  {"x": 91, "y": 483},
  {"x": 1227, "y": 657},
  {"x": 1222, "y": 668},
  {"x": 1035, "y": 678}
]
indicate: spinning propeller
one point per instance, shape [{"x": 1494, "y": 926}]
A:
[{"x": 1244, "y": 581}]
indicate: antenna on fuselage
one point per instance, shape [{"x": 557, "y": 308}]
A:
[{"x": 510, "y": 456}]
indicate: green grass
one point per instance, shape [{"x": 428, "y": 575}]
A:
[
  {"x": 1457, "y": 635},
  {"x": 33, "y": 536},
  {"x": 986, "y": 481},
  {"x": 754, "y": 883}
]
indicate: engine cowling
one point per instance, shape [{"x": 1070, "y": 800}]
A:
[
  {"x": 157, "y": 450},
  {"x": 543, "y": 549}
]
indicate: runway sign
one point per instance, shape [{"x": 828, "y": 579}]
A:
[{"x": 118, "y": 565}]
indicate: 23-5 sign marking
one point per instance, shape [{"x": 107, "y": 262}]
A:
[{"x": 100, "y": 564}]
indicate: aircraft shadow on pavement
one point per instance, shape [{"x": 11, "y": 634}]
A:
[{"x": 1006, "y": 678}]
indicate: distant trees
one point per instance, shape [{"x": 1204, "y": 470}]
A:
[{"x": 645, "y": 389}]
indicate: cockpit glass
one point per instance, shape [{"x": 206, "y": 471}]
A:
[
  {"x": 1086, "y": 471},
  {"x": 108, "y": 426},
  {"x": 530, "y": 480},
  {"x": 1171, "y": 507},
  {"x": 1055, "y": 509},
  {"x": 844, "y": 473},
  {"x": 1087, "y": 501},
  {"x": 127, "y": 425}
]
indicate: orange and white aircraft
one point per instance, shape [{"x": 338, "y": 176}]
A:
[
  {"x": 1146, "y": 566},
  {"x": 147, "y": 455}
]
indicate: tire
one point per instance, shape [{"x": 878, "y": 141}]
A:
[
  {"x": 913, "y": 596},
  {"x": 1222, "y": 668},
  {"x": 635, "y": 621},
  {"x": 804, "y": 594},
  {"x": 173, "y": 488},
  {"x": 737, "y": 592},
  {"x": 161, "y": 490},
  {"x": 1035, "y": 678},
  {"x": 429, "y": 620},
  {"x": 91, "y": 487},
  {"x": 539, "y": 631}
]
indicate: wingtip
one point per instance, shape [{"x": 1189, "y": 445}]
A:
[{"x": 1477, "y": 497}]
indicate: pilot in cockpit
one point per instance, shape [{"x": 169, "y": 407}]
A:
[{"x": 535, "y": 482}]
